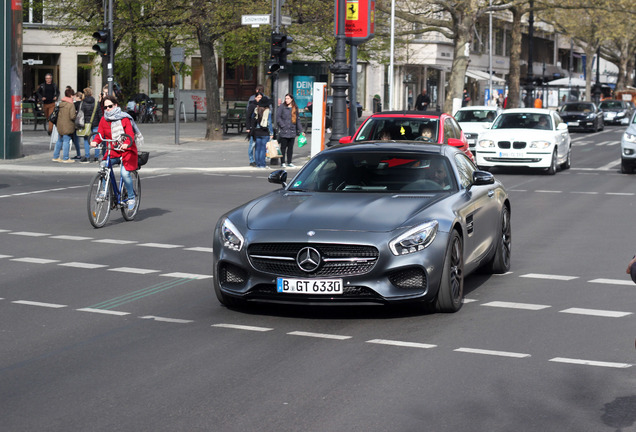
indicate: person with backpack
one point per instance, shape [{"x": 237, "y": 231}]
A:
[
  {"x": 92, "y": 115},
  {"x": 65, "y": 126}
]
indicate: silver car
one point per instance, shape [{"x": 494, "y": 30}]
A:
[{"x": 628, "y": 148}]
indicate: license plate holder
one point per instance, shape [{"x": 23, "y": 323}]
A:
[{"x": 309, "y": 286}]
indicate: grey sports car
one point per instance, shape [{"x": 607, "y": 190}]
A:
[{"x": 366, "y": 223}]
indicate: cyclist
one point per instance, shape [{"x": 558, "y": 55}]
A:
[{"x": 114, "y": 124}]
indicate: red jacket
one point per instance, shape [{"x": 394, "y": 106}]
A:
[{"x": 129, "y": 156}]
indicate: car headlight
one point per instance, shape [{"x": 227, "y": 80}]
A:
[
  {"x": 620, "y": 114},
  {"x": 591, "y": 116},
  {"x": 486, "y": 143},
  {"x": 415, "y": 239},
  {"x": 230, "y": 236},
  {"x": 540, "y": 144},
  {"x": 629, "y": 137}
]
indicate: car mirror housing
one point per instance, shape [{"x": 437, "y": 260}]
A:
[
  {"x": 345, "y": 140},
  {"x": 278, "y": 177},
  {"x": 562, "y": 126},
  {"x": 481, "y": 178},
  {"x": 454, "y": 142}
]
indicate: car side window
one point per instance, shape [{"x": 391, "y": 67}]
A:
[
  {"x": 465, "y": 168},
  {"x": 449, "y": 130}
]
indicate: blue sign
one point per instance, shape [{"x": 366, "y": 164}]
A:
[{"x": 303, "y": 90}]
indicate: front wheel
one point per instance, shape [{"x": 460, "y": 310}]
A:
[
  {"x": 451, "y": 288},
  {"x": 125, "y": 212},
  {"x": 568, "y": 161},
  {"x": 99, "y": 200},
  {"x": 553, "y": 164},
  {"x": 501, "y": 260}
]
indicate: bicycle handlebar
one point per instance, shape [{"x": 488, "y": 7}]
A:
[{"x": 123, "y": 138}]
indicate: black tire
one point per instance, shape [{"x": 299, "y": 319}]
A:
[
  {"x": 451, "y": 287},
  {"x": 130, "y": 214},
  {"x": 500, "y": 262},
  {"x": 568, "y": 162},
  {"x": 99, "y": 201},
  {"x": 226, "y": 300},
  {"x": 553, "y": 164},
  {"x": 626, "y": 167}
]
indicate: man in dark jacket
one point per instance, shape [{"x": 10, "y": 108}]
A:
[
  {"x": 48, "y": 93},
  {"x": 423, "y": 101}
]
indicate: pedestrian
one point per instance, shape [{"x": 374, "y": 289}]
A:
[
  {"x": 289, "y": 127},
  {"x": 423, "y": 101},
  {"x": 465, "y": 98},
  {"x": 538, "y": 103},
  {"x": 65, "y": 127},
  {"x": 77, "y": 101},
  {"x": 631, "y": 269},
  {"x": 113, "y": 125},
  {"x": 92, "y": 115},
  {"x": 48, "y": 93},
  {"x": 259, "y": 123},
  {"x": 251, "y": 104}
]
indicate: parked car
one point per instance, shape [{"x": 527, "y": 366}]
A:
[
  {"x": 422, "y": 126},
  {"x": 616, "y": 111},
  {"x": 583, "y": 116},
  {"x": 475, "y": 120},
  {"x": 527, "y": 137},
  {"x": 384, "y": 223},
  {"x": 628, "y": 147}
]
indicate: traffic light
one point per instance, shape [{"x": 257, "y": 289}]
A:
[
  {"x": 103, "y": 39},
  {"x": 278, "y": 52}
]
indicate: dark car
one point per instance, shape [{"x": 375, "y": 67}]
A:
[
  {"x": 582, "y": 116},
  {"x": 616, "y": 111},
  {"x": 421, "y": 126},
  {"x": 366, "y": 223}
]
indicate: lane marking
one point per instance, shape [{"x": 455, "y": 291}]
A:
[
  {"x": 6, "y": 256},
  {"x": 70, "y": 237},
  {"x": 168, "y": 320},
  {"x": 160, "y": 245},
  {"x": 35, "y": 260},
  {"x": 612, "y": 281},
  {"x": 133, "y": 270},
  {"x": 548, "y": 191},
  {"x": 610, "y": 165},
  {"x": 243, "y": 327},
  {"x": 590, "y": 363},
  {"x": 319, "y": 335},
  {"x": 186, "y": 275},
  {"x": 4, "y": 230},
  {"x": 400, "y": 343},
  {"x": 82, "y": 265},
  {"x": 103, "y": 311},
  {"x": 620, "y": 193},
  {"x": 114, "y": 241},
  {"x": 139, "y": 294},
  {"x": 493, "y": 353},
  {"x": 548, "y": 276},
  {"x": 585, "y": 193},
  {"x": 34, "y": 303},
  {"x": 466, "y": 300},
  {"x": 596, "y": 312},
  {"x": 199, "y": 249},
  {"x": 29, "y": 234},
  {"x": 526, "y": 306}
]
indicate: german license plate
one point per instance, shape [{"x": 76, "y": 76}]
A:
[
  {"x": 573, "y": 123},
  {"x": 511, "y": 154},
  {"x": 309, "y": 286}
]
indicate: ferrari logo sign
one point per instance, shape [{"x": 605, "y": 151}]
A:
[
  {"x": 359, "y": 21},
  {"x": 352, "y": 11}
]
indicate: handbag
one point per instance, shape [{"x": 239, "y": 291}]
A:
[
  {"x": 142, "y": 159},
  {"x": 79, "y": 118},
  {"x": 273, "y": 150},
  {"x": 88, "y": 127},
  {"x": 54, "y": 114},
  {"x": 302, "y": 140}
]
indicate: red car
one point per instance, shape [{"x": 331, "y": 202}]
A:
[{"x": 425, "y": 126}]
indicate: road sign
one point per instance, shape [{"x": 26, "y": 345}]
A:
[
  {"x": 285, "y": 20},
  {"x": 255, "y": 20},
  {"x": 359, "y": 21}
]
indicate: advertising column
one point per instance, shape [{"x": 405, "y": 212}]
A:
[{"x": 11, "y": 76}]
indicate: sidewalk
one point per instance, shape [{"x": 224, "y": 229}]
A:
[{"x": 193, "y": 153}]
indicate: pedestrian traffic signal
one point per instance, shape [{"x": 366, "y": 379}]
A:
[
  {"x": 103, "y": 39},
  {"x": 278, "y": 52}
]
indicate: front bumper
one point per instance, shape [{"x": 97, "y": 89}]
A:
[{"x": 493, "y": 158}]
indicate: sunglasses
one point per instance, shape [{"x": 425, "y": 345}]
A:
[{"x": 108, "y": 106}]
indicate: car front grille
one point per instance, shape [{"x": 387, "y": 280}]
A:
[
  {"x": 409, "y": 278},
  {"x": 515, "y": 144},
  {"x": 231, "y": 276},
  {"x": 337, "y": 260}
]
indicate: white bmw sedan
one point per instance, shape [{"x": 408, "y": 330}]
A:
[{"x": 527, "y": 137}]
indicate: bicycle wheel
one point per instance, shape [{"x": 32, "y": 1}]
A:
[
  {"x": 99, "y": 201},
  {"x": 130, "y": 214}
]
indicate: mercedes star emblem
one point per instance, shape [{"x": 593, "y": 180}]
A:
[{"x": 308, "y": 259}]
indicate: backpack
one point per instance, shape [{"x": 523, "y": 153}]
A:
[
  {"x": 54, "y": 114},
  {"x": 79, "y": 118}
]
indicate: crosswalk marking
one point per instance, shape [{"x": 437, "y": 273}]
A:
[
  {"x": 596, "y": 312},
  {"x": 82, "y": 265},
  {"x": 612, "y": 281},
  {"x": 590, "y": 362},
  {"x": 548, "y": 276},
  {"x": 511, "y": 305}
]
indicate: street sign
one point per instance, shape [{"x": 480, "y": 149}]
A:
[
  {"x": 255, "y": 20},
  {"x": 32, "y": 62},
  {"x": 285, "y": 20},
  {"x": 177, "y": 54},
  {"x": 359, "y": 21}
]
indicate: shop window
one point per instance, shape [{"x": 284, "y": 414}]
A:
[{"x": 198, "y": 77}]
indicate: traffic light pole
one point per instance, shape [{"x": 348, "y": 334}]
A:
[
  {"x": 111, "y": 54},
  {"x": 339, "y": 69}
]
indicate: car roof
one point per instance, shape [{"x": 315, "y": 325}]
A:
[
  {"x": 527, "y": 110},
  {"x": 408, "y": 114}
]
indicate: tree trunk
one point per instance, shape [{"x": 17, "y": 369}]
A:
[
  {"x": 589, "y": 50},
  {"x": 461, "y": 53},
  {"x": 514, "y": 76},
  {"x": 214, "y": 129}
]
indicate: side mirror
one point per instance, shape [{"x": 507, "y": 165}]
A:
[
  {"x": 454, "y": 142},
  {"x": 562, "y": 126},
  {"x": 481, "y": 178},
  {"x": 345, "y": 140},
  {"x": 278, "y": 177}
]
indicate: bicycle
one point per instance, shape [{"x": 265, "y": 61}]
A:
[{"x": 104, "y": 194}]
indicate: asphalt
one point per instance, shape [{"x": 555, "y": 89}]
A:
[{"x": 192, "y": 153}]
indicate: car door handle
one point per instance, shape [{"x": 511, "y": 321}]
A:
[{"x": 491, "y": 193}]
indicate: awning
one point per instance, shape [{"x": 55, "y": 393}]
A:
[{"x": 483, "y": 76}]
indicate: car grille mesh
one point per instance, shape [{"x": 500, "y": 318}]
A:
[
  {"x": 515, "y": 144},
  {"x": 231, "y": 275},
  {"x": 409, "y": 278},
  {"x": 336, "y": 259}
]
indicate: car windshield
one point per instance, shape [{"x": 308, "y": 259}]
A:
[
  {"x": 399, "y": 129},
  {"x": 611, "y": 105},
  {"x": 479, "y": 116},
  {"x": 378, "y": 172},
  {"x": 577, "y": 107},
  {"x": 523, "y": 121}
]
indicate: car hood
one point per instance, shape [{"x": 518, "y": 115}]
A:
[
  {"x": 474, "y": 127},
  {"x": 518, "y": 134},
  {"x": 614, "y": 109},
  {"x": 337, "y": 211}
]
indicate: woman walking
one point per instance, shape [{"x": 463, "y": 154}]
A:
[
  {"x": 289, "y": 127},
  {"x": 65, "y": 127},
  {"x": 259, "y": 125}
]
